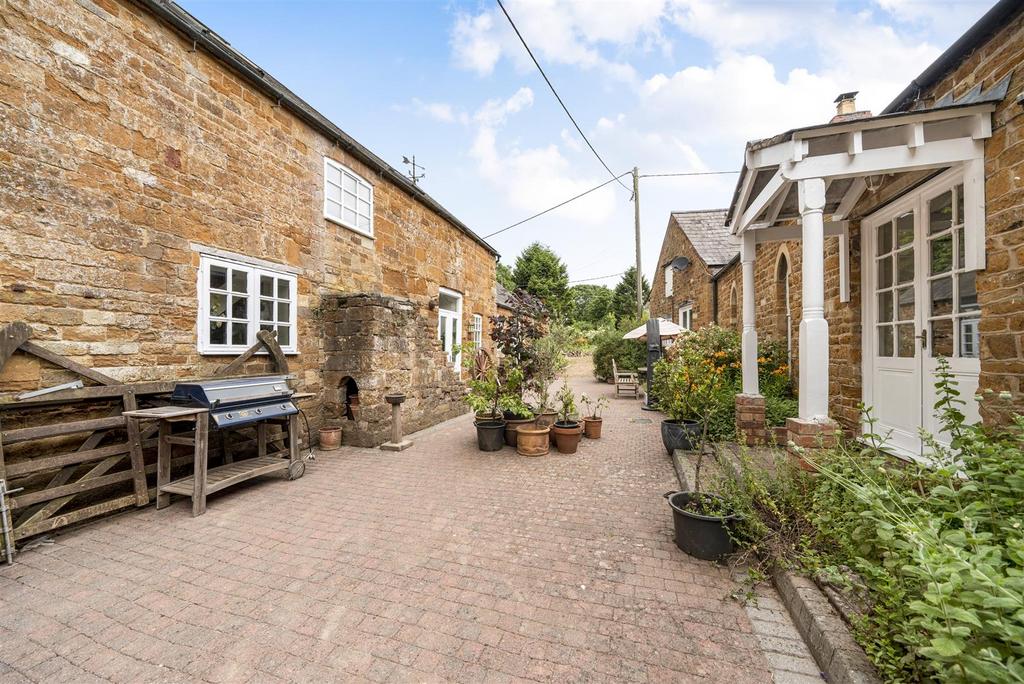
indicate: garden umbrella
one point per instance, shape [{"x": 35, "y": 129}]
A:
[{"x": 667, "y": 329}]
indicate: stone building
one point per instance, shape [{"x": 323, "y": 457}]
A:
[
  {"x": 878, "y": 244},
  {"x": 162, "y": 199},
  {"x": 696, "y": 247}
]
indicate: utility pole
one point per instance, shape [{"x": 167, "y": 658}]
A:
[
  {"x": 412, "y": 174},
  {"x": 636, "y": 220}
]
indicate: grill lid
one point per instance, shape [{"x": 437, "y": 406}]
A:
[{"x": 233, "y": 391}]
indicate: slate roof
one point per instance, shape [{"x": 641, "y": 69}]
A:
[
  {"x": 708, "y": 233},
  {"x": 503, "y": 297}
]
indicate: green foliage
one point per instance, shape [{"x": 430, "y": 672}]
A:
[
  {"x": 594, "y": 406},
  {"x": 503, "y": 274},
  {"x": 498, "y": 392},
  {"x": 549, "y": 357},
  {"x": 608, "y": 344},
  {"x": 623, "y": 304},
  {"x": 540, "y": 272},
  {"x": 514, "y": 335},
  {"x": 588, "y": 304},
  {"x": 777, "y": 409},
  {"x": 567, "y": 403},
  {"x": 933, "y": 555}
]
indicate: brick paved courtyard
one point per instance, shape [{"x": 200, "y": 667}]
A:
[{"x": 437, "y": 563}]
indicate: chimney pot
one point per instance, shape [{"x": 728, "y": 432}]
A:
[{"x": 846, "y": 103}]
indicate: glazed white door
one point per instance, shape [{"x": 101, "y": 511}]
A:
[{"x": 920, "y": 304}]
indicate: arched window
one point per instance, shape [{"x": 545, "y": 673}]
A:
[
  {"x": 783, "y": 312},
  {"x": 734, "y": 307}
]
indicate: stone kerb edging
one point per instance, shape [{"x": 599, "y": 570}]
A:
[{"x": 827, "y": 636}]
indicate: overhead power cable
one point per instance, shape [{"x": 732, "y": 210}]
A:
[
  {"x": 688, "y": 173},
  {"x": 558, "y": 97},
  {"x": 587, "y": 280},
  {"x": 560, "y": 204}
]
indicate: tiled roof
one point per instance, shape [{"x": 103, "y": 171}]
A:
[
  {"x": 503, "y": 297},
  {"x": 709, "y": 235}
]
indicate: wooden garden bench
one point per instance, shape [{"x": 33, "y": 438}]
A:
[{"x": 626, "y": 383}]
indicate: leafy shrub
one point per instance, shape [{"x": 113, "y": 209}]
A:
[
  {"x": 608, "y": 345},
  {"x": 777, "y": 409}
]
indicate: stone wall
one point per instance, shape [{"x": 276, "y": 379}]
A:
[
  {"x": 122, "y": 149},
  {"x": 383, "y": 345},
  {"x": 691, "y": 285}
]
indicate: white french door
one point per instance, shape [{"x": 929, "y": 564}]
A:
[
  {"x": 920, "y": 304},
  {"x": 449, "y": 315}
]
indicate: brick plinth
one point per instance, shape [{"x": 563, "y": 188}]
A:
[{"x": 750, "y": 419}]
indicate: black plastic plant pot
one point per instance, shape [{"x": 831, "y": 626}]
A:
[
  {"x": 490, "y": 435},
  {"x": 701, "y": 536},
  {"x": 680, "y": 434}
]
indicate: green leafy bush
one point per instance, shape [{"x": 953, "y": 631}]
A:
[
  {"x": 777, "y": 409},
  {"x": 608, "y": 344}
]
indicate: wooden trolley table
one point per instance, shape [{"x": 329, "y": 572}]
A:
[{"x": 205, "y": 480}]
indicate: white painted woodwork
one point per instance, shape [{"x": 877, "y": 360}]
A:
[
  {"x": 849, "y": 200},
  {"x": 855, "y": 143},
  {"x": 844, "y": 264},
  {"x": 915, "y": 135},
  {"x": 748, "y": 249},
  {"x": 974, "y": 214},
  {"x": 813, "y": 326},
  {"x": 779, "y": 233},
  {"x": 886, "y": 160},
  {"x": 767, "y": 194}
]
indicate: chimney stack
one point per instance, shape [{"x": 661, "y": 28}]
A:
[{"x": 846, "y": 103}]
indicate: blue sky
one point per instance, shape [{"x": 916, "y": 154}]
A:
[{"x": 666, "y": 85}]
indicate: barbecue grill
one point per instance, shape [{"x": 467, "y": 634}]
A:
[{"x": 239, "y": 401}]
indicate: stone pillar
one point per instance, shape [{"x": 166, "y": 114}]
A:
[
  {"x": 813, "y": 326},
  {"x": 398, "y": 442},
  {"x": 751, "y": 427}
]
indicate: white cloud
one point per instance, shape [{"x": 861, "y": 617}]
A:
[{"x": 439, "y": 111}]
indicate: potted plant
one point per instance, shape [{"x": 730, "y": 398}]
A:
[
  {"x": 549, "y": 361},
  {"x": 533, "y": 440},
  {"x": 567, "y": 429},
  {"x": 592, "y": 419},
  {"x": 484, "y": 398},
  {"x": 514, "y": 410},
  {"x": 685, "y": 384}
]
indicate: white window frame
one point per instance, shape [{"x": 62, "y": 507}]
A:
[
  {"x": 253, "y": 274},
  {"x": 668, "y": 280},
  {"x": 477, "y": 329},
  {"x": 686, "y": 311},
  {"x": 360, "y": 182},
  {"x": 456, "y": 343}
]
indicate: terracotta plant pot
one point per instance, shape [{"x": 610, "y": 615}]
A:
[
  {"x": 567, "y": 436},
  {"x": 532, "y": 441},
  {"x": 547, "y": 418},
  {"x": 330, "y": 438},
  {"x": 512, "y": 424},
  {"x": 592, "y": 428}
]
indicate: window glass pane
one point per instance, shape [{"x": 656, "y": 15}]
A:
[
  {"x": 239, "y": 333},
  {"x": 349, "y": 217},
  {"x": 239, "y": 280},
  {"x": 905, "y": 297},
  {"x": 333, "y": 175},
  {"x": 266, "y": 286},
  {"x": 284, "y": 335},
  {"x": 942, "y": 337},
  {"x": 283, "y": 312},
  {"x": 941, "y": 254},
  {"x": 363, "y": 207},
  {"x": 448, "y": 302},
  {"x": 333, "y": 193},
  {"x": 905, "y": 340},
  {"x": 960, "y": 203},
  {"x": 218, "y": 304},
  {"x": 218, "y": 332},
  {"x": 218, "y": 277},
  {"x": 266, "y": 326},
  {"x": 333, "y": 209},
  {"x": 885, "y": 340},
  {"x": 885, "y": 272},
  {"x": 905, "y": 266},
  {"x": 885, "y": 238},
  {"x": 349, "y": 200},
  {"x": 970, "y": 340},
  {"x": 905, "y": 229},
  {"x": 960, "y": 248},
  {"x": 363, "y": 192},
  {"x": 283, "y": 288},
  {"x": 240, "y": 307},
  {"x": 940, "y": 212},
  {"x": 363, "y": 223},
  {"x": 884, "y": 306},
  {"x": 942, "y": 296},
  {"x": 968, "y": 292},
  {"x": 349, "y": 183},
  {"x": 266, "y": 310}
]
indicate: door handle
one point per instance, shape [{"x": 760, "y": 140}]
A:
[{"x": 923, "y": 337}]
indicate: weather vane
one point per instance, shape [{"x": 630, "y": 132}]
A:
[{"x": 413, "y": 175}]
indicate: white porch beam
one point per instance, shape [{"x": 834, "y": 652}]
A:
[
  {"x": 813, "y": 326},
  {"x": 849, "y": 200},
  {"x": 767, "y": 194},
  {"x": 915, "y": 135},
  {"x": 974, "y": 215},
  {"x": 748, "y": 184},
  {"x": 981, "y": 126},
  {"x": 748, "y": 249},
  {"x": 779, "y": 233},
  {"x": 854, "y": 143},
  {"x": 885, "y": 160}
]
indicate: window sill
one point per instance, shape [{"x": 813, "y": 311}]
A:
[
  {"x": 339, "y": 222},
  {"x": 235, "y": 351}
]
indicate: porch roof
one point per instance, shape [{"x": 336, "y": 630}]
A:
[{"x": 844, "y": 153}]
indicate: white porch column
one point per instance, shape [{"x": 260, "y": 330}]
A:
[
  {"x": 749, "y": 348},
  {"x": 813, "y": 326}
]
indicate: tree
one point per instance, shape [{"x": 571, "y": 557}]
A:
[
  {"x": 503, "y": 274},
  {"x": 588, "y": 303},
  {"x": 542, "y": 273},
  {"x": 624, "y": 297}
]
